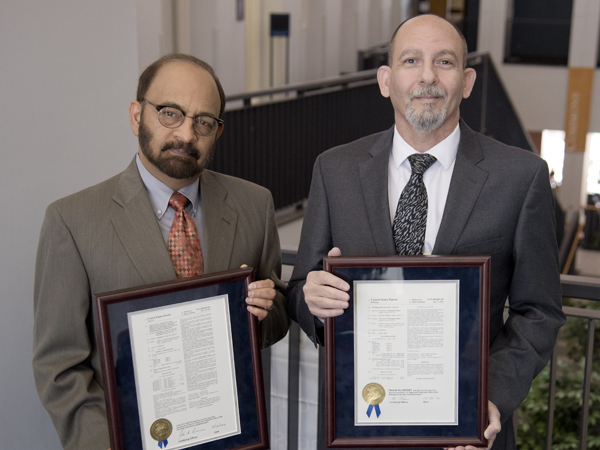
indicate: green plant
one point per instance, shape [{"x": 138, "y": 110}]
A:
[
  {"x": 576, "y": 333},
  {"x": 568, "y": 401}
]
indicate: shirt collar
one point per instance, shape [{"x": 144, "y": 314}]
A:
[
  {"x": 445, "y": 151},
  {"x": 160, "y": 194}
]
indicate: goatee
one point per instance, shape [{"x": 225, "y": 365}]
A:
[
  {"x": 174, "y": 166},
  {"x": 429, "y": 119}
]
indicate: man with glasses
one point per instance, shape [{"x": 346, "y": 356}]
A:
[{"x": 165, "y": 217}]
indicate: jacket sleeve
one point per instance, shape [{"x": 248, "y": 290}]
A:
[
  {"x": 315, "y": 242},
  {"x": 62, "y": 344},
  {"x": 275, "y": 326},
  {"x": 524, "y": 345}
]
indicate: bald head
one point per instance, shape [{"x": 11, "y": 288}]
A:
[
  {"x": 148, "y": 75},
  {"x": 427, "y": 18},
  {"x": 426, "y": 80}
]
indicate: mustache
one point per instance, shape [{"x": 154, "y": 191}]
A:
[
  {"x": 185, "y": 146},
  {"x": 428, "y": 91}
]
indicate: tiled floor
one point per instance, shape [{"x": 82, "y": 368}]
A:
[
  {"x": 587, "y": 262},
  {"x": 289, "y": 234}
]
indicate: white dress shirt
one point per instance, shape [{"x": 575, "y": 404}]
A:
[
  {"x": 160, "y": 194},
  {"x": 436, "y": 178}
]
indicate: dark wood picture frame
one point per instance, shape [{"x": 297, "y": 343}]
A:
[
  {"x": 341, "y": 432},
  {"x": 112, "y": 331}
]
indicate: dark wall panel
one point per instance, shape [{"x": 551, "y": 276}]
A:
[{"x": 275, "y": 145}]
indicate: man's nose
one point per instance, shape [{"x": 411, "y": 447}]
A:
[
  {"x": 185, "y": 132},
  {"x": 428, "y": 74}
]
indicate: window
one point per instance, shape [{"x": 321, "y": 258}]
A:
[
  {"x": 593, "y": 175},
  {"x": 553, "y": 151},
  {"x": 539, "y": 32}
]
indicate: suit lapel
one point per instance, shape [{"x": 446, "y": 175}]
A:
[
  {"x": 374, "y": 181},
  {"x": 465, "y": 186},
  {"x": 220, "y": 223},
  {"x": 138, "y": 229}
]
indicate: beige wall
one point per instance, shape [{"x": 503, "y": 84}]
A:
[
  {"x": 67, "y": 75},
  {"x": 538, "y": 92},
  {"x": 325, "y": 36}
]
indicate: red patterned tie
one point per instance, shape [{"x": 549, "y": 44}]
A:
[{"x": 184, "y": 244}]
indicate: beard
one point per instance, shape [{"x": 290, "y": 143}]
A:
[
  {"x": 173, "y": 166},
  {"x": 429, "y": 119}
]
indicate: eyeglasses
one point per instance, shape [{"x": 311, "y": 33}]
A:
[{"x": 171, "y": 117}]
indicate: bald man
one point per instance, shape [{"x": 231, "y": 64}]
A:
[{"x": 483, "y": 198}]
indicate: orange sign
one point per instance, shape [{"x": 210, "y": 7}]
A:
[
  {"x": 438, "y": 7},
  {"x": 577, "y": 117}
]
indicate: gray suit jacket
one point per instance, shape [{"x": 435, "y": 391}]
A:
[
  {"x": 107, "y": 237},
  {"x": 499, "y": 203}
]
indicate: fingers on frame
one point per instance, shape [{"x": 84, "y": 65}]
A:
[
  {"x": 258, "y": 312},
  {"x": 261, "y": 284},
  {"x": 327, "y": 279}
]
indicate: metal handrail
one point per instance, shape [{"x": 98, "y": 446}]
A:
[
  {"x": 340, "y": 81},
  {"x": 592, "y": 316},
  {"x": 300, "y": 88},
  {"x": 574, "y": 286},
  {"x": 585, "y": 288}
]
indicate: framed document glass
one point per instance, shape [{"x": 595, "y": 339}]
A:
[
  {"x": 406, "y": 364},
  {"x": 181, "y": 365}
]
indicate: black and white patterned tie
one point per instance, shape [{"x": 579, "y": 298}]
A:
[{"x": 411, "y": 214}]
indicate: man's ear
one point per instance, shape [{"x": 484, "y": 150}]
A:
[
  {"x": 383, "y": 78},
  {"x": 469, "y": 76},
  {"x": 135, "y": 116},
  {"x": 219, "y": 131}
]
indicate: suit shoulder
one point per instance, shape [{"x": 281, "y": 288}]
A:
[
  {"x": 252, "y": 203},
  {"x": 356, "y": 149},
  {"x": 499, "y": 159},
  {"x": 238, "y": 187},
  {"x": 91, "y": 197},
  {"x": 241, "y": 194},
  {"x": 495, "y": 149}
]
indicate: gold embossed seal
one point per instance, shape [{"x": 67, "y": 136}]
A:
[
  {"x": 373, "y": 393},
  {"x": 161, "y": 429}
]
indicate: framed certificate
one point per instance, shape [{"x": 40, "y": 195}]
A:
[
  {"x": 182, "y": 366},
  {"x": 406, "y": 364}
]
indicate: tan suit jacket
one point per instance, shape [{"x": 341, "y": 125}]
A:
[{"x": 107, "y": 237}]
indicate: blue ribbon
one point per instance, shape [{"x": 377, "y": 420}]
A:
[
  {"x": 370, "y": 410},
  {"x": 162, "y": 444}
]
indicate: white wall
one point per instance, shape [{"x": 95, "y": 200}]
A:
[
  {"x": 325, "y": 36},
  {"x": 155, "y": 34},
  {"x": 219, "y": 39},
  {"x": 67, "y": 74},
  {"x": 538, "y": 92}
]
